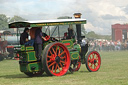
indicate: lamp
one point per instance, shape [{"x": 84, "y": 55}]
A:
[{"x": 77, "y": 15}]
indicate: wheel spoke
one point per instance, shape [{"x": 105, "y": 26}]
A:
[
  {"x": 62, "y": 53},
  {"x": 89, "y": 60},
  {"x": 93, "y": 56},
  {"x": 97, "y": 58},
  {"x": 98, "y": 63},
  {"x": 49, "y": 61},
  {"x": 95, "y": 66},
  {"x": 56, "y": 67},
  {"x": 62, "y": 62},
  {"x": 62, "y": 57},
  {"x": 59, "y": 51},
  {"x": 51, "y": 64},
  {"x": 91, "y": 65},
  {"x": 61, "y": 65},
  {"x": 52, "y": 68},
  {"x": 49, "y": 56},
  {"x": 50, "y": 52},
  {"x": 89, "y": 57},
  {"x": 56, "y": 48},
  {"x": 53, "y": 50}
]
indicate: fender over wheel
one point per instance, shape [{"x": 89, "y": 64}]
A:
[
  {"x": 56, "y": 59},
  {"x": 93, "y": 61}
]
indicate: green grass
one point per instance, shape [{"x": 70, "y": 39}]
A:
[{"x": 113, "y": 71}]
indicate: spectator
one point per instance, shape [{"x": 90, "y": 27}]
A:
[
  {"x": 127, "y": 43},
  {"x": 119, "y": 44}
]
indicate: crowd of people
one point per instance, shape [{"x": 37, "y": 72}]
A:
[{"x": 108, "y": 45}]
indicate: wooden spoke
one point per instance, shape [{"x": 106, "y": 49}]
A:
[
  {"x": 61, "y": 65},
  {"x": 62, "y": 53},
  {"x": 62, "y": 57},
  {"x": 91, "y": 65},
  {"x": 90, "y": 58},
  {"x": 62, "y": 62},
  {"x": 49, "y": 56},
  {"x": 50, "y": 52},
  {"x": 51, "y": 64},
  {"x": 56, "y": 48},
  {"x": 56, "y": 67},
  {"x": 52, "y": 68},
  {"x": 93, "y": 56},
  {"x": 49, "y": 61},
  {"x": 54, "y": 51},
  {"x": 95, "y": 66},
  {"x": 59, "y": 51}
]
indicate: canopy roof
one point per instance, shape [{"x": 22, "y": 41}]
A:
[{"x": 41, "y": 23}]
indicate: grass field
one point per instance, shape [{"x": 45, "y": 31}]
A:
[{"x": 113, "y": 71}]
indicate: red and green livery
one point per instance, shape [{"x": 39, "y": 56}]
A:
[{"x": 58, "y": 55}]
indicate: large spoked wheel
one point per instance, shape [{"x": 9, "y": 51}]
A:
[
  {"x": 75, "y": 65},
  {"x": 56, "y": 59},
  {"x": 33, "y": 74},
  {"x": 93, "y": 61}
]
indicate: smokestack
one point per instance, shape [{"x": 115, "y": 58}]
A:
[{"x": 78, "y": 27}]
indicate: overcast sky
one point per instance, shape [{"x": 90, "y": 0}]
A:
[{"x": 100, "y": 14}]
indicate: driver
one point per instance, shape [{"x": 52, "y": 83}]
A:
[
  {"x": 70, "y": 33},
  {"x": 38, "y": 42}
]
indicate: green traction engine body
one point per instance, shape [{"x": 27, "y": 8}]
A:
[{"x": 29, "y": 63}]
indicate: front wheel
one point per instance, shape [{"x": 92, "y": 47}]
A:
[{"x": 93, "y": 61}]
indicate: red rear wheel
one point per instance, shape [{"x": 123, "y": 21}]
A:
[
  {"x": 93, "y": 61},
  {"x": 56, "y": 59}
]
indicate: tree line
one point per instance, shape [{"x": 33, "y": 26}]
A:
[{"x": 4, "y": 20}]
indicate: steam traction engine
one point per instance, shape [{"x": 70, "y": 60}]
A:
[{"x": 58, "y": 56}]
